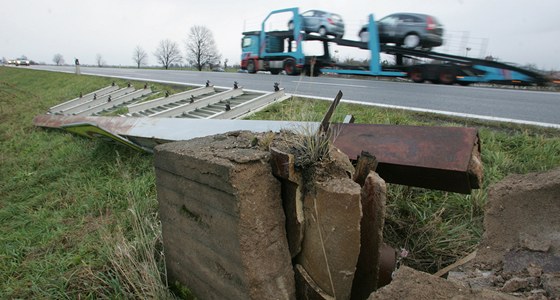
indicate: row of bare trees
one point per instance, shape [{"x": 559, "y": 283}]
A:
[
  {"x": 58, "y": 59},
  {"x": 200, "y": 47},
  {"x": 201, "y": 52}
]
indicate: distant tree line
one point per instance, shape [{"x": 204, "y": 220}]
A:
[{"x": 201, "y": 52}]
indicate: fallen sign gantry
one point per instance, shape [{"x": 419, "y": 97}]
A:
[{"x": 443, "y": 158}]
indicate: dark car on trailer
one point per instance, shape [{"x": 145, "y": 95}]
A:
[{"x": 409, "y": 30}]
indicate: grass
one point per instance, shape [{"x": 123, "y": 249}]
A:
[
  {"x": 62, "y": 195},
  {"x": 79, "y": 217}
]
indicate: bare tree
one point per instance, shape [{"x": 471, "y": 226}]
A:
[
  {"x": 99, "y": 60},
  {"x": 58, "y": 59},
  {"x": 167, "y": 53},
  {"x": 201, "y": 48},
  {"x": 140, "y": 56}
]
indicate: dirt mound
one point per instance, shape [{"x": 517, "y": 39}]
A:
[{"x": 411, "y": 284}]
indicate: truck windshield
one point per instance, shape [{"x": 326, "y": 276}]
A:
[{"x": 246, "y": 42}]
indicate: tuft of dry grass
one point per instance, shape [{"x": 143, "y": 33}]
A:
[{"x": 136, "y": 260}]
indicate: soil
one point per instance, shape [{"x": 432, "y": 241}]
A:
[{"x": 519, "y": 255}]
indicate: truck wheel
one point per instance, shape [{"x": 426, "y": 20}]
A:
[
  {"x": 416, "y": 75},
  {"x": 412, "y": 40},
  {"x": 251, "y": 67},
  {"x": 322, "y": 31},
  {"x": 446, "y": 76},
  {"x": 290, "y": 67}
]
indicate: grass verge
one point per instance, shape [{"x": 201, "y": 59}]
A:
[{"x": 79, "y": 217}]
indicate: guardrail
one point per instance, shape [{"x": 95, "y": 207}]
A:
[
  {"x": 114, "y": 102},
  {"x": 91, "y": 103},
  {"x": 172, "y": 98},
  {"x": 81, "y": 100},
  {"x": 185, "y": 108}
]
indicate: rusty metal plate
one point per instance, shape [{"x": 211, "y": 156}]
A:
[{"x": 422, "y": 156}]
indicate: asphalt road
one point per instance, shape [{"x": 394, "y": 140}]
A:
[{"x": 513, "y": 105}]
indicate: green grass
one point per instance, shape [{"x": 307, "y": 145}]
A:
[
  {"x": 62, "y": 195},
  {"x": 67, "y": 202}
]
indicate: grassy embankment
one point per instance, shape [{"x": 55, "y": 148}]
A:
[{"x": 79, "y": 217}]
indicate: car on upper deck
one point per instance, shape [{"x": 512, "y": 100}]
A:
[
  {"x": 409, "y": 30},
  {"x": 322, "y": 22}
]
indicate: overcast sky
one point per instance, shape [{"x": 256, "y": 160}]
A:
[{"x": 518, "y": 31}]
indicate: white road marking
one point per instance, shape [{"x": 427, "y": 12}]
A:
[{"x": 338, "y": 84}]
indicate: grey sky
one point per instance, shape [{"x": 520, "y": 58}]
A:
[{"x": 522, "y": 32}]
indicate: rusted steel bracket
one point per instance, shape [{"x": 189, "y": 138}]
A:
[
  {"x": 327, "y": 118},
  {"x": 443, "y": 158}
]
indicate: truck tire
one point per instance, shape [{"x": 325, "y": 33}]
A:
[
  {"x": 415, "y": 74},
  {"x": 446, "y": 76},
  {"x": 251, "y": 67},
  {"x": 290, "y": 67}
]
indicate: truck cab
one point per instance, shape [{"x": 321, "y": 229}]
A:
[{"x": 250, "y": 51}]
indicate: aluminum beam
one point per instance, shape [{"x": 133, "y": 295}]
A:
[{"x": 185, "y": 108}]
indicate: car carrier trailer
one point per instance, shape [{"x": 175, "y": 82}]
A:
[{"x": 282, "y": 51}]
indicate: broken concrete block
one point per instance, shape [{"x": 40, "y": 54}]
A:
[
  {"x": 222, "y": 219},
  {"x": 515, "y": 284},
  {"x": 331, "y": 244},
  {"x": 373, "y": 200},
  {"x": 522, "y": 211},
  {"x": 534, "y": 243},
  {"x": 518, "y": 260}
]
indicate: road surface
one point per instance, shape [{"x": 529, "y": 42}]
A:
[{"x": 513, "y": 105}]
